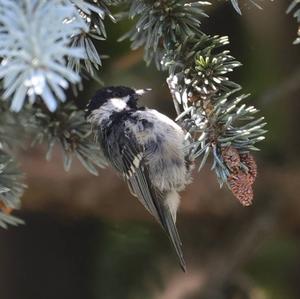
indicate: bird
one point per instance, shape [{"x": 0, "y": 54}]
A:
[{"x": 147, "y": 148}]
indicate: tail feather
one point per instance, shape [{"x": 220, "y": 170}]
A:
[
  {"x": 172, "y": 232},
  {"x": 167, "y": 221}
]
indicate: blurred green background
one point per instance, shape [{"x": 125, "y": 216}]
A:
[{"x": 87, "y": 237}]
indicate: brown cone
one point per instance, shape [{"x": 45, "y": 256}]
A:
[{"x": 240, "y": 181}]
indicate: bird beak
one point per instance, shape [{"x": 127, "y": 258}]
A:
[{"x": 141, "y": 92}]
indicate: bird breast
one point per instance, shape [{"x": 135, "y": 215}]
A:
[{"x": 163, "y": 141}]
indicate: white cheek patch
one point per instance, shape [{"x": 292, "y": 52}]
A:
[
  {"x": 118, "y": 103},
  {"x": 106, "y": 110}
]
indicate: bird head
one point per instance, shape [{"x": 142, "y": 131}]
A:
[{"x": 118, "y": 97}]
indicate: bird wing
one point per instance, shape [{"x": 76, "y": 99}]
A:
[{"x": 128, "y": 157}]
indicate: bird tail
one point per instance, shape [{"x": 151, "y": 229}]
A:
[
  {"x": 167, "y": 219},
  {"x": 172, "y": 232}
]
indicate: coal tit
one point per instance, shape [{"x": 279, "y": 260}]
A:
[{"x": 147, "y": 148}]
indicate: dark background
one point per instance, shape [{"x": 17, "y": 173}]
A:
[{"x": 87, "y": 237}]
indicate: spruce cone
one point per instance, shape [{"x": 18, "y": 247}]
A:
[{"x": 240, "y": 181}]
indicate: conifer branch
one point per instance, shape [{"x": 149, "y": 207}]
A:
[
  {"x": 68, "y": 128},
  {"x": 161, "y": 23},
  {"x": 34, "y": 55},
  {"x": 93, "y": 14},
  {"x": 209, "y": 105},
  {"x": 43, "y": 45}
]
